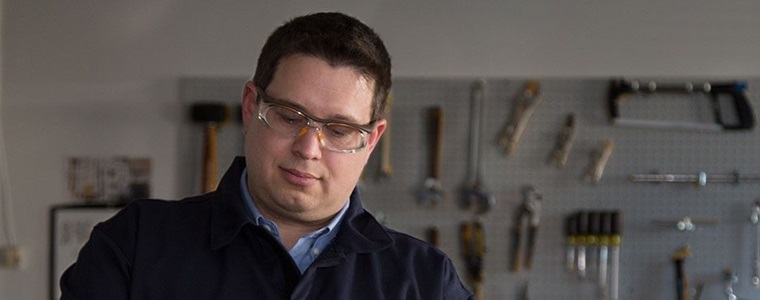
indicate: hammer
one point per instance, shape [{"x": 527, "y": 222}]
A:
[{"x": 211, "y": 115}]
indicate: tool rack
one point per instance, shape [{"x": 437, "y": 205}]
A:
[{"x": 645, "y": 259}]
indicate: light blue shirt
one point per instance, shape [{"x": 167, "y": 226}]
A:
[{"x": 308, "y": 247}]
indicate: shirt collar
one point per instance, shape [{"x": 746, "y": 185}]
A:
[{"x": 259, "y": 219}]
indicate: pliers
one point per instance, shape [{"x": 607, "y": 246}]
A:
[{"x": 529, "y": 213}]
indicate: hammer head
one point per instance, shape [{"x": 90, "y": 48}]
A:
[{"x": 209, "y": 112}]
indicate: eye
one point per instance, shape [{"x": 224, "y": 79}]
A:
[
  {"x": 340, "y": 131},
  {"x": 287, "y": 116}
]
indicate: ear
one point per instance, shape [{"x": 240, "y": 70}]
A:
[
  {"x": 374, "y": 136},
  {"x": 249, "y": 105}
]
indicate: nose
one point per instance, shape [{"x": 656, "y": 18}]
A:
[{"x": 307, "y": 145}]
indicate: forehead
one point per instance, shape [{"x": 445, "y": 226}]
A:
[{"x": 326, "y": 91}]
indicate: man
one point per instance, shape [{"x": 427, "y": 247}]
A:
[{"x": 286, "y": 221}]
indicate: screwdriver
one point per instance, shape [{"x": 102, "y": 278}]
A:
[
  {"x": 571, "y": 230},
  {"x": 592, "y": 240},
  {"x": 582, "y": 231},
  {"x": 616, "y": 220},
  {"x": 605, "y": 236},
  {"x": 473, "y": 250}
]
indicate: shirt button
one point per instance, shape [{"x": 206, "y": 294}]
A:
[{"x": 315, "y": 251}]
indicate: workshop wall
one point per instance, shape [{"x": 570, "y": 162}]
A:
[
  {"x": 100, "y": 78},
  {"x": 646, "y": 267}
]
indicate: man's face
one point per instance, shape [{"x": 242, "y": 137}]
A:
[{"x": 294, "y": 179}]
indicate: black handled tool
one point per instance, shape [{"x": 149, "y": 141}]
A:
[
  {"x": 733, "y": 91},
  {"x": 473, "y": 241},
  {"x": 682, "y": 283}
]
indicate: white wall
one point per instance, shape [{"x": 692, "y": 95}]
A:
[{"x": 100, "y": 77}]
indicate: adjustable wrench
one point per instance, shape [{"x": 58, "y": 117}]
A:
[{"x": 475, "y": 198}]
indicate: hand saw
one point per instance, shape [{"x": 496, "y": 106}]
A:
[{"x": 620, "y": 90}]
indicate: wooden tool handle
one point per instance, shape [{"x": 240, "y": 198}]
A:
[
  {"x": 209, "y": 180},
  {"x": 435, "y": 116}
]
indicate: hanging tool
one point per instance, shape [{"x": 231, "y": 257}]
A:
[
  {"x": 564, "y": 143},
  {"x": 596, "y": 171},
  {"x": 473, "y": 251},
  {"x": 582, "y": 231},
  {"x": 212, "y": 115},
  {"x": 529, "y": 213},
  {"x": 475, "y": 197},
  {"x": 527, "y": 101},
  {"x": 432, "y": 194},
  {"x": 700, "y": 179},
  {"x": 386, "y": 168},
  {"x": 755, "y": 218},
  {"x": 734, "y": 91},
  {"x": 729, "y": 279},
  {"x": 605, "y": 240},
  {"x": 615, "y": 242},
  {"x": 686, "y": 223},
  {"x": 571, "y": 232},
  {"x": 432, "y": 235},
  {"x": 592, "y": 241},
  {"x": 682, "y": 283}
]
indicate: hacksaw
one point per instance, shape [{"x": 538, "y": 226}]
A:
[{"x": 721, "y": 95}]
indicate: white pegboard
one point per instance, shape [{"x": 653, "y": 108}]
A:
[{"x": 646, "y": 268}]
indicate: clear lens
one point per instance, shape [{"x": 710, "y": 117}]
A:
[{"x": 333, "y": 136}]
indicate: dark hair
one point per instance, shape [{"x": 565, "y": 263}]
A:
[{"x": 338, "y": 39}]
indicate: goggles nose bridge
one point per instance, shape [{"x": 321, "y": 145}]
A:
[{"x": 311, "y": 124}]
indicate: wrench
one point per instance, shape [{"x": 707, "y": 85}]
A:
[
  {"x": 432, "y": 193},
  {"x": 475, "y": 198}
]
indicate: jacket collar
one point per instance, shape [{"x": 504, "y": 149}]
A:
[{"x": 359, "y": 231}]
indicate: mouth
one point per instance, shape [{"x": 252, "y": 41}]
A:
[{"x": 299, "y": 178}]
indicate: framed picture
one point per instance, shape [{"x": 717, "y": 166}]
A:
[{"x": 70, "y": 228}]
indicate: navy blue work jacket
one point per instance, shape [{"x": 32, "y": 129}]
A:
[{"x": 206, "y": 247}]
